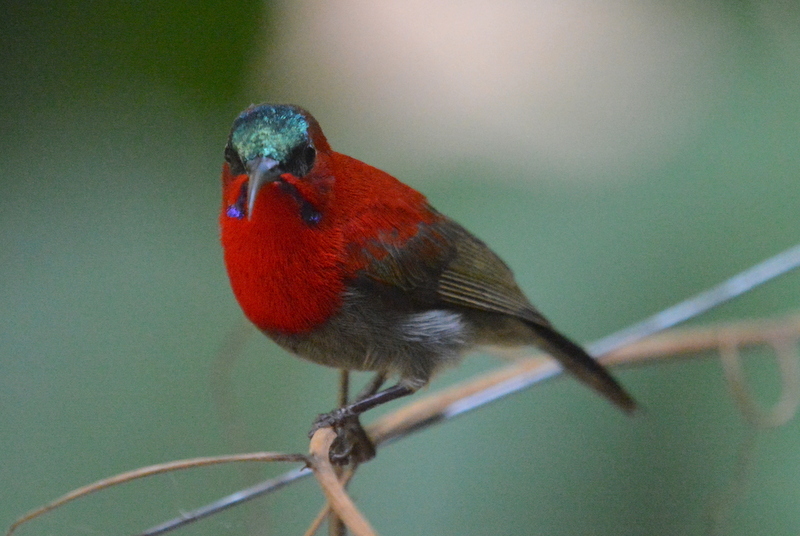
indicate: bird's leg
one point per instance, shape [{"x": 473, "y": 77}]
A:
[
  {"x": 352, "y": 443},
  {"x": 337, "y": 451},
  {"x": 351, "y": 440},
  {"x": 344, "y": 387},
  {"x": 371, "y": 388},
  {"x": 358, "y": 407}
]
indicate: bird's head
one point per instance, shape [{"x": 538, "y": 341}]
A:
[{"x": 270, "y": 140}]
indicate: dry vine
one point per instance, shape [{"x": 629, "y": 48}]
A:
[{"x": 782, "y": 335}]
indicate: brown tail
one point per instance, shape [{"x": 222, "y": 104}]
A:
[{"x": 575, "y": 359}]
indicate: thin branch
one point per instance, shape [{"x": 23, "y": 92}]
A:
[
  {"x": 465, "y": 397},
  {"x": 456, "y": 400},
  {"x": 317, "y": 523},
  {"x": 229, "y": 501},
  {"x": 348, "y": 474},
  {"x": 154, "y": 470},
  {"x": 696, "y": 340},
  {"x": 328, "y": 480},
  {"x": 785, "y": 409},
  {"x": 470, "y": 396},
  {"x": 743, "y": 282}
]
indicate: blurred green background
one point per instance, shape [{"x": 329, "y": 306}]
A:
[{"x": 620, "y": 157}]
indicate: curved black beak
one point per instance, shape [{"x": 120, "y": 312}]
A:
[{"x": 261, "y": 170}]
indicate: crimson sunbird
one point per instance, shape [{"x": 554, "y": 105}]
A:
[{"x": 342, "y": 264}]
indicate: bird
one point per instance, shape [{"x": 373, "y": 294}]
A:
[{"x": 344, "y": 265}]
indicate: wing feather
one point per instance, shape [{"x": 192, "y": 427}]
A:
[{"x": 442, "y": 264}]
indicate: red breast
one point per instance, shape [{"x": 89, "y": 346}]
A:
[{"x": 290, "y": 275}]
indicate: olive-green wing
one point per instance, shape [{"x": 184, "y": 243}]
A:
[{"x": 444, "y": 264}]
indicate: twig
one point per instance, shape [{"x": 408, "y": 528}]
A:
[
  {"x": 698, "y": 304},
  {"x": 154, "y": 470},
  {"x": 234, "y": 499},
  {"x": 326, "y": 510},
  {"x": 487, "y": 389},
  {"x": 785, "y": 409},
  {"x": 337, "y": 497},
  {"x": 451, "y": 402},
  {"x": 317, "y": 523},
  {"x": 695, "y": 340}
]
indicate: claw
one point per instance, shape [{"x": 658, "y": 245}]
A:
[
  {"x": 334, "y": 420},
  {"x": 352, "y": 444}
]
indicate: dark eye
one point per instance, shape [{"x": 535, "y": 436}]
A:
[
  {"x": 233, "y": 160},
  {"x": 309, "y": 155},
  {"x": 301, "y": 160}
]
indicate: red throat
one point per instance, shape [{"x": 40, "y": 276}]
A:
[
  {"x": 282, "y": 271},
  {"x": 289, "y": 275}
]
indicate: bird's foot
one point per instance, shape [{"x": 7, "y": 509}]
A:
[
  {"x": 334, "y": 420},
  {"x": 352, "y": 444}
]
